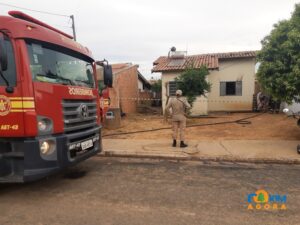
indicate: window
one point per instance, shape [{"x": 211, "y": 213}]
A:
[
  {"x": 10, "y": 73},
  {"x": 231, "y": 88},
  {"x": 172, "y": 88},
  {"x": 50, "y": 63}
]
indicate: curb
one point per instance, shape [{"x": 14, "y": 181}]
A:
[{"x": 200, "y": 158}]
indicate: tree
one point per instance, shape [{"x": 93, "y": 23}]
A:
[
  {"x": 193, "y": 83},
  {"x": 279, "y": 71},
  {"x": 156, "y": 87}
]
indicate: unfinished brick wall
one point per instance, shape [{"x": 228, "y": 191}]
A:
[
  {"x": 114, "y": 98},
  {"x": 144, "y": 97},
  {"x": 124, "y": 93},
  {"x": 126, "y": 86}
]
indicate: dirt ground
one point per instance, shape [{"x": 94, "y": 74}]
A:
[{"x": 262, "y": 127}]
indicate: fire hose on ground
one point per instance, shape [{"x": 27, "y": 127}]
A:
[{"x": 243, "y": 121}]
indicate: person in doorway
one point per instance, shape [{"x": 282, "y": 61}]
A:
[{"x": 179, "y": 106}]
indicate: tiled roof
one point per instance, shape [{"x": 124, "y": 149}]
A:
[
  {"x": 230, "y": 55},
  {"x": 164, "y": 63},
  {"x": 211, "y": 61}
]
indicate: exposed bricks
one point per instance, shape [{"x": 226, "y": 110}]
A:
[{"x": 125, "y": 86}]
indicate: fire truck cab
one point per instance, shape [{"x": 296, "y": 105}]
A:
[{"x": 49, "y": 100}]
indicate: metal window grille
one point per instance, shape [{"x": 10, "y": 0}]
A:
[
  {"x": 172, "y": 88},
  {"x": 229, "y": 89}
]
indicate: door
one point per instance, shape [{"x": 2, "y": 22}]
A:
[{"x": 12, "y": 102}]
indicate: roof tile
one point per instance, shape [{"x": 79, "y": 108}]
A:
[{"x": 211, "y": 61}]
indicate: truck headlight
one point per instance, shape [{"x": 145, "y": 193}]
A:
[
  {"x": 47, "y": 147},
  {"x": 42, "y": 125},
  {"x": 45, "y": 125}
]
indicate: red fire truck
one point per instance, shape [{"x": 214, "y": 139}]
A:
[{"x": 49, "y": 100}]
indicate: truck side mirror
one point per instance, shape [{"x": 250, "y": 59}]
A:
[
  {"x": 3, "y": 53},
  {"x": 107, "y": 75}
]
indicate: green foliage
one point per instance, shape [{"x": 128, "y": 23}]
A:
[
  {"x": 156, "y": 87},
  {"x": 193, "y": 83},
  {"x": 279, "y": 71}
]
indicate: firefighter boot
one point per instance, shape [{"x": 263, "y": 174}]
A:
[
  {"x": 183, "y": 145},
  {"x": 174, "y": 143}
]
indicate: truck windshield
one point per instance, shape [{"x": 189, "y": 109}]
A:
[{"x": 52, "y": 64}]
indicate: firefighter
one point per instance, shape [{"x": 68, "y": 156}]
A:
[{"x": 179, "y": 107}]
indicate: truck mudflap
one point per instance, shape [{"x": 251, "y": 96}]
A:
[{"x": 22, "y": 161}]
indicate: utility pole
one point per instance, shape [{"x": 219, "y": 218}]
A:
[{"x": 73, "y": 27}]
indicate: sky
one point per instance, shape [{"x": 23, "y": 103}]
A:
[{"x": 139, "y": 31}]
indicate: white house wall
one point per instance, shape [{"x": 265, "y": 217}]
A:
[
  {"x": 140, "y": 85},
  {"x": 166, "y": 78},
  {"x": 232, "y": 70},
  {"x": 229, "y": 70},
  {"x": 200, "y": 106}
]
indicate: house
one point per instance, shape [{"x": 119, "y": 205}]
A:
[
  {"x": 232, "y": 76},
  {"x": 128, "y": 85},
  {"x": 143, "y": 84}
]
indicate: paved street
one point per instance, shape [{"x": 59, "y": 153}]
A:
[{"x": 131, "y": 191}]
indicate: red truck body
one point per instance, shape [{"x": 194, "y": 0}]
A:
[
  {"x": 49, "y": 121},
  {"x": 104, "y": 103}
]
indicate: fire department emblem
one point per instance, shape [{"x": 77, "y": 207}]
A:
[{"x": 5, "y": 105}]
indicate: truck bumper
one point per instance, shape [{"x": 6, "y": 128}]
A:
[{"x": 25, "y": 162}]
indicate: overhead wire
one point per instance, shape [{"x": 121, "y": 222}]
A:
[
  {"x": 33, "y": 10},
  {"x": 40, "y": 11}
]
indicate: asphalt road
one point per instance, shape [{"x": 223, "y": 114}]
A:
[{"x": 124, "y": 191}]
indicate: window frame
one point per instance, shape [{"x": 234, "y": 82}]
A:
[{"x": 238, "y": 88}]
